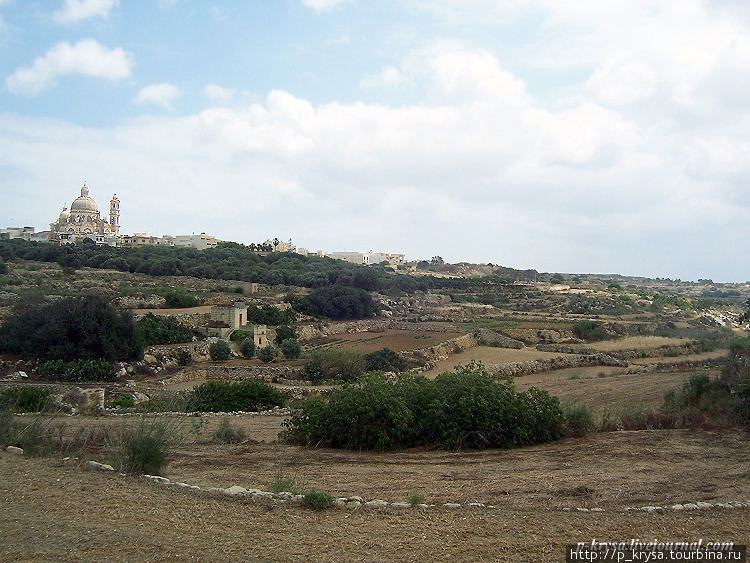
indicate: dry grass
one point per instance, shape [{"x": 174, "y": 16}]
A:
[{"x": 637, "y": 343}]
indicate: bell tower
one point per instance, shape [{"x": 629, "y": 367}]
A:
[{"x": 114, "y": 214}]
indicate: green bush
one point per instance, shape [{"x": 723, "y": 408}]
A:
[
  {"x": 158, "y": 329},
  {"x": 384, "y": 360},
  {"x": 180, "y": 300},
  {"x": 266, "y": 354},
  {"x": 247, "y": 348},
  {"x": 226, "y": 396},
  {"x": 291, "y": 348},
  {"x": 579, "y": 421},
  {"x": 72, "y": 328},
  {"x": 145, "y": 448},
  {"x": 590, "y": 331},
  {"x": 284, "y": 332},
  {"x": 219, "y": 351},
  {"x": 126, "y": 402},
  {"x": 78, "y": 371},
  {"x": 318, "y": 499},
  {"x": 461, "y": 409},
  {"x": 228, "y": 434},
  {"x": 334, "y": 365},
  {"x": 184, "y": 358},
  {"x": 25, "y": 399}
]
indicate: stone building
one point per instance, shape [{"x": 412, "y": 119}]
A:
[{"x": 84, "y": 219}]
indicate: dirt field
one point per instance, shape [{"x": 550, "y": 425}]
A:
[
  {"x": 396, "y": 340},
  {"x": 489, "y": 355},
  {"x": 64, "y": 512}
]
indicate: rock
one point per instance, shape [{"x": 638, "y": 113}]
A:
[
  {"x": 157, "y": 479},
  {"x": 597, "y": 510},
  {"x": 360, "y": 500},
  {"x": 677, "y": 507},
  {"x": 691, "y": 506},
  {"x": 14, "y": 450},
  {"x": 235, "y": 491},
  {"x": 262, "y": 494},
  {"x": 400, "y": 505},
  {"x": 186, "y": 486},
  {"x": 353, "y": 504},
  {"x": 476, "y": 505},
  {"x": 651, "y": 508},
  {"x": 150, "y": 359},
  {"x": 451, "y": 505},
  {"x": 579, "y": 509},
  {"x": 102, "y": 466},
  {"x": 284, "y": 495},
  {"x": 376, "y": 504},
  {"x": 703, "y": 505}
]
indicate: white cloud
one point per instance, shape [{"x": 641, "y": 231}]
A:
[
  {"x": 623, "y": 82},
  {"x": 87, "y": 57},
  {"x": 75, "y": 11},
  {"x": 389, "y": 77},
  {"x": 218, "y": 94},
  {"x": 322, "y": 5},
  {"x": 159, "y": 94}
]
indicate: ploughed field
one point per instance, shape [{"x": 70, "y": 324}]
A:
[{"x": 54, "y": 511}]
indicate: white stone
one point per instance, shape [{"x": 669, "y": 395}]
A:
[
  {"x": 376, "y": 504},
  {"x": 703, "y": 505},
  {"x": 597, "y": 510},
  {"x": 690, "y": 506},
  {"x": 400, "y": 505},
  {"x": 677, "y": 507},
  {"x": 579, "y": 509},
  {"x": 235, "y": 491},
  {"x": 14, "y": 450},
  {"x": 353, "y": 504},
  {"x": 451, "y": 505},
  {"x": 102, "y": 466},
  {"x": 157, "y": 479},
  {"x": 476, "y": 505}
]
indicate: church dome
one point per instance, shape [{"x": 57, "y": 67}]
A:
[
  {"x": 64, "y": 215},
  {"x": 84, "y": 202}
]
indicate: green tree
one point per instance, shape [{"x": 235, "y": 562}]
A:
[
  {"x": 284, "y": 332},
  {"x": 219, "y": 351},
  {"x": 247, "y": 348},
  {"x": 266, "y": 354},
  {"x": 158, "y": 329},
  {"x": 291, "y": 348},
  {"x": 73, "y": 328}
]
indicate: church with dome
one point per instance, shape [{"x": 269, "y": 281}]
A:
[{"x": 84, "y": 219}]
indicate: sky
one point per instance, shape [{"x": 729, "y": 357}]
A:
[{"x": 571, "y": 136}]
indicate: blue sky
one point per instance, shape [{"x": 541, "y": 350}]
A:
[{"x": 562, "y": 135}]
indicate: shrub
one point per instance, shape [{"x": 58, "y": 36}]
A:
[
  {"x": 226, "y": 396},
  {"x": 145, "y": 448},
  {"x": 158, "y": 329},
  {"x": 579, "y": 421},
  {"x": 384, "y": 360},
  {"x": 291, "y": 348},
  {"x": 590, "y": 331},
  {"x": 219, "y": 351},
  {"x": 338, "y": 302},
  {"x": 126, "y": 402},
  {"x": 415, "y": 499},
  {"x": 184, "y": 358},
  {"x": 78, "y": 371},
  {"x": 73, "y": 328},
  {"x": 461, "y": 409},
  {"x": 25, "y": 399},
  {"x": 266, "y": 354},
  {"x": 247, "y": 348},
  {"x": 334, "y": 365},
  {"x": 228, "y": 434},
  {"x": 284, "y": 332},
  {"x": 180, "y": 300},
  {"x": 318, "y": 499}
]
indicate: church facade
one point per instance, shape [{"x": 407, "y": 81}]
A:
[{"x": 84, "y": 219}]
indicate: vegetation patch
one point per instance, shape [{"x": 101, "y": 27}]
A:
[
  {"x": 158, "y": 329},
  {"x": 228, "y": 396},
  {"x": 462, "y": 409}
]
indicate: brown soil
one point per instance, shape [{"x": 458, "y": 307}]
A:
[
  {"x": 65, "y": 512},
  {"x": 396, "y": 340}
]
